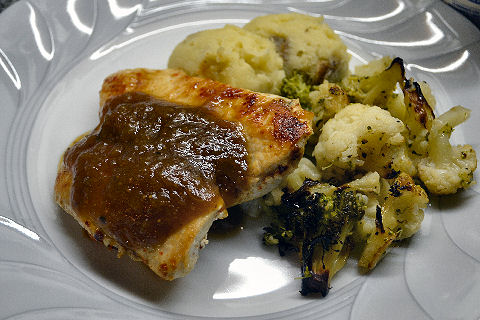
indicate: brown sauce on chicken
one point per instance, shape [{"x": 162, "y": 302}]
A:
[{"x": 151, "y": 166}]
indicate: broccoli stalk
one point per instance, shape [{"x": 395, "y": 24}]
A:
[{"x": 316, "y": 225}]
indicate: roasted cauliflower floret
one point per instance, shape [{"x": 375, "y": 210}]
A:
[
  {"x": 368, "y": 184},
  {"x": 306, "y": 170},
  {"x": 327, "y": 99},
  {"x": 404, "y": 207},
  {"x": 373, "y": 67},
  {"x": 362, "y": 138},
  {"x": 306, "y": 44},
  {"x": 375, "y": 83},
  {"x": 447, "y": 168},
  {"x": 395, "y": 214},
  {"x": 443, "y": 168},
  {"x": 418, "y": 116}
]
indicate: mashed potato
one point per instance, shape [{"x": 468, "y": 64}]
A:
[
  {"x": 306, "y": 44},
  {"x": 231, "y": 55}
]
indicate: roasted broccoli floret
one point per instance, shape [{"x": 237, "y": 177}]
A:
[
  {"x": 315, "y": 221},
  {"x": 297, "y": 86}
]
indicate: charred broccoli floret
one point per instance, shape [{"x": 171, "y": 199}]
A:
[
  {"x": 297, "y": 86},
  {"x": 315, "y": 221}
]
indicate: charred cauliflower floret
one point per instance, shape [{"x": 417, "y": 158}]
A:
[
  {"x": 375, "y": 83},
  {"x": 443, "y": 168},
  {"x": 418, "y": 116},
  {"x": 307, "y": 44},
  {"x": 447, "y": 168},
  {"x": 395, "y": 214},
  {"x": 362, "y": 138}
]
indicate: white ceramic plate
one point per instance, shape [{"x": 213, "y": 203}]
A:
[{"x": 54, "y": 56}]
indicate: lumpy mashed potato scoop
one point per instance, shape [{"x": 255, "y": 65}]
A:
[
  {"x": 306, "y": 44},
  {"x": 231, "y": 55}
]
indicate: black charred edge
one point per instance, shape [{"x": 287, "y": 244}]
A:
[
  {"x": 418, "y": 89},
  {"x": 414, "y": 88},
  {"x": 315, "y": 283},
  {"x": 336, "y": 182},
  {"x": 341, "y": 188},
  {"x": 395, "y": 190},
  {"x": 392, "y": 174},
  {"x": 294, "y": 199},
  {"x": 379, "y": 219},
  {"x": 99, "y": 235},
  {"x": 398, "y": 61}
]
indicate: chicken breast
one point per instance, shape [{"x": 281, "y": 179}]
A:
[{"x": 156, "y": 199}]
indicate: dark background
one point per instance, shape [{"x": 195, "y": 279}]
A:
[{"x": 5, "y": 3}]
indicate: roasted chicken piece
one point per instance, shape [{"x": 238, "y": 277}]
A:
[{"x": 170, "y": 154}]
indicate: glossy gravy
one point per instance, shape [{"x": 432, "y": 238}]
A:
[{"x": 151, "y": 166}]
